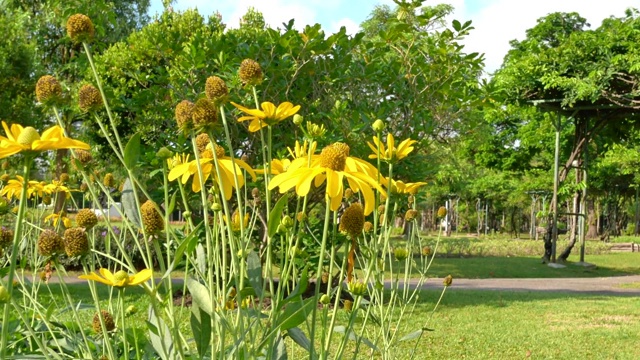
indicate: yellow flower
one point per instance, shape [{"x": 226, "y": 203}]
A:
[
  {"x": 13, "y": 188},
  {"x": 400, "y": 187},
  {"x": 333, "y": 165},
  {"x": 56, "y": 218},
  {"x": 390, "y": 153},
  {"x": 27, "y": 139},
  {"x": 119, "y": 279},
  {"x": 185, "y": 170},
  {"x": 300, "y": 157},
  {"x": 268, "y": 116}
]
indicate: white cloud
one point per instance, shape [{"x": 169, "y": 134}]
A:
[
  {"x": 351, "y": 26},
  {"x": 504, "y": 20}
]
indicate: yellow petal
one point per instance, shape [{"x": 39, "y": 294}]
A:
[
  {"x": 140, "y": 277},
  {"x": 94, "y": 277},
  {"x": 108, "y": 275}
]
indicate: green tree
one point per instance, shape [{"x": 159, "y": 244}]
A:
[{"x": 590, "y": 76}]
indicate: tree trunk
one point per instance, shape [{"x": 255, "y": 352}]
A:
[
  {"x": 574, "y": 234},
  {"x": 592, "y": 232}
]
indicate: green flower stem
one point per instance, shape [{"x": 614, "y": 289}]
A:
[
  {"x": 426, "y": 324},
  {"x": 61, "y": 272},
  {"x": 122, "y": 325},
  {"x": 93, "y": 194},
  {"x": 17, "y": 237},
  {"x": 329, "y": 331},
  {"x": 31, "y": 331},
  {"x": 104, "y": 97},
  {"x": 323, "y": 245},
  {"x": 209, "y": 275}
]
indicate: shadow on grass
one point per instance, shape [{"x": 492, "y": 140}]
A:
[{"x": 524, "y": 267}]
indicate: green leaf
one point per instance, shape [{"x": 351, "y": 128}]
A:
[
  {"x": 188, "y": 245},
  {"x": 352, "y": 336},
  {"x": 276, "y": 215},
  {"x": 200, "y": 295},
  {"x": 132, "y": 151},
  {"x": 279, "y": 352},
  {"x": 254, "y": 270},
  {"x": 296, "y": 313},
  {"x": 299, "y": 338},
  {"x": 201, "y": 327},
  {"x": 301, "y": 287},
  {"x": 162, "y": 345},
  {"x": 129, "y": 203},
  {"x": 172, "y": 203},
  {"x": 456, "y": 25}
]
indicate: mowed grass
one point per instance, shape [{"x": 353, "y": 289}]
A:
[
  {"x": 478, "y": 325},
  {"x": 616, "y": 264},
  {"x": 503, "y": 325}
]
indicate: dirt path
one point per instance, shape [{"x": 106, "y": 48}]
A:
[{"x": 598, "y": 285}]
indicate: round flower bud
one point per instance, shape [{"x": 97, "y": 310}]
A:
[
  {"x": 352, "y": 220},
  {"x": 151, "y": 218},
  {"x": 442, "y": 212},
  {"x": 50, "y": 243},
  {"x": 202, "y": 142},
  {"x": 48, "y": 89},
  {"x": 426, "y": 251},
  {"x": 6, "y": 237},
  {"x": 357, "y": 288},
  {"x": 6, "y": 165},
  {"x": 75, "y": 242},
  {"x": 86, "y": 219},
  {"x": 108, "y": 180},
  {"x": 184, "y": 115},
  {"x": 380, "y": 209},
  {"x": 298, "y": 119},
  {"x": 80, "y": 28},
  {"x": 216, "y": 206},
  {"x": 27, "y": 136},
  {"x": 348, "y": 305},
  {"x": 186, "y": 214},
  {"x": 82, "y": 156},
  {"x": 164, "y": 153},
  {"x": 250, "y": 72},
  {"x": 5, "y": 177},
  {"x": 410, "y": 215},
  {"x": 368, "y": 226},
  {"x": 325, "y": 299},
  {"x": 109, "y": 323},
  {"x": 89, "y": 98},
  {"x": 64, "y": 177},
  {"x": 287, "y": 222},
  {"x": 4, "y": 295},
  {"x": 378, "y": 125},
  {"x": 348, "y": 193},
  {"x": 46, "y": 199},
  {"x": 401, "y": 254},
  {"x": 131, "y": 309},
  {"x": 204, "y": 114},
  {"x": 123, "y": 276},
  {"x": 216, "y": 89},
  {"x": 447, "y": 281}
]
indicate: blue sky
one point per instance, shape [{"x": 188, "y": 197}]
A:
[{"x": 496, "y": 22}]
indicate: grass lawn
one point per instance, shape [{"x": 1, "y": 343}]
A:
[
  {"x": 484, "y": 325},
  {"x": 531, "y": 267},
  {"x": 614, "y": 264}
]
